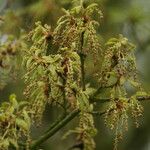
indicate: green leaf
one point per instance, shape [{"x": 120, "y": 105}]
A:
[
  {"x": 89, "y": 90},
  {"x": 13, "y": 100},
  {"x": 141, "y": 93},
  {"x": 5, "y": 105},
  {"x": 26, "y": 118},
  {"x": 22, "y": 104},
  {"x": 14, "y": 143},
  {"x": 122, "y": 80},
  {"x": 134, "y": 83},
  {"x": 65, "y": 11},
  {"x": 22, "y": 124},
  {"x": 28, "y": 63},
  {"x": 11, "y": 110},
  {"x": 4, "y": 143},
  {"x": 2, "y": 117},
  {"x": 83, "y": 102},
  {"x": 91, "y": 8},
  {"x": 76, "y": 10}
]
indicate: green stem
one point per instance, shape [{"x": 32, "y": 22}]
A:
[
  {"x": 55, "y": 123},
  {"x": 82, "y": 58},
  {"x": 98, "y": 113},
  {"x": 104, "y": 100},
  {"x": 142, "y": 98},
  {"x": 61, "y": 123},
  {"x": 51, "y": 132},
  {"x": 64, "y": 96},
  {"x": 102, "y": 87}
]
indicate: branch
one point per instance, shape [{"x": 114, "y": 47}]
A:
[
  {"x": 51, "y": 132},
  {"x": 99, "y": 100},
  {"x": 104, "y": 100},
  {"x": 61, "y": 123},
  {"x": 98, "y": 113},
  {"x": 82, "y": 59},
  {"x": 140, "y": 98},
  {"x": 102, "y": 87},
  {"x": 55, "y": 123}
]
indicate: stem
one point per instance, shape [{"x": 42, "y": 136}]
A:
[
  {"x": 100, "y": 88},
  {"x": 82, "y": 58},
  {"x": 64, "y": 96},
  {"x": 143, "y": 98},
  {"x": 51, "y": 132},
  {"x": 104, "y": 100},
  {"x": 97, "y": 100},
  {"x": 55, "y": 123},
  {"x": 61, "y": 123},
  {"x": 98, "y": 113}
]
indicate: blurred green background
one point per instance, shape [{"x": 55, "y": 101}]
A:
[{"x": 128, "y": 17}]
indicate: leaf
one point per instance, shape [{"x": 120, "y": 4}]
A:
[
  {"x": 93, "y": 5},
  {"x": 4, "y": 143},
  {"x": 57, "y": 57},
  {"x": 2, "y": 117},
  {"x": 89, "y": 90},
  {"x": 48, "y": 59},
  {"x": 22, "y": 104},
  {"x": 11, "y": 110},
  {"x": 38, "y": 52},
  {"x": 5, "y": 105},
  {"x": 134, "y": 83},
  {"x": 91, "y": 8},
  {"x": 22, "y": 124},
  {"x": 26, "y": 118},
  {"x": 62, "y": 19},
  {"x": 14, "y": 143},
  {"x": 83, "y": 102},
  {"x": 13, "y": 100},
  {"x": 65, "y": 11},
  {"x": 40, "y": 84},
  {"x": 141, "y": 93},
  {"x": 122, "y": 80},
  {"x": 76, "y": 10},
  {"x": 53, "y": 71},
  {"x": 28, "y": 62}
]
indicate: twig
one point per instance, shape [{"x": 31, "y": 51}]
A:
[
  {"x": 61, "y": 123},
  {"x": 102, "y": 87},
  {"x": 140, "y": 98},
  {"x": 55, "y": 123},
  {"x": 51, "y": 132},
  {"x": 82, "y": 59},
  {"x": 104, "y": 100},
  {"x": 98, "y": 113}
]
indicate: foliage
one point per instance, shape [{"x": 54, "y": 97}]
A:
[
  {"x": 9, "y": 50},
  {"x": 119, "y": 68},
  {"x": 54, "y": 61},
  {"x": 14, "y": 123}
]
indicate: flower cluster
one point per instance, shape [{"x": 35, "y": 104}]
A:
[{"x": 14, "y": 123}]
